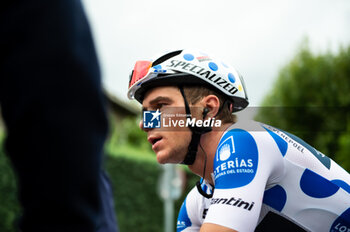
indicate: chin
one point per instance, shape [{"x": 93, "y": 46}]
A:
[
  {"x": 161, "y": 157},
  {"x": 166, "y": 158},
  {"x": 161, "y": 160}
]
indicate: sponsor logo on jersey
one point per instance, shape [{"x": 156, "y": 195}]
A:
[
  {"x": 207, "y": 74},
  {"x": 301, "y": 145},
  {"x": 181, "y": 225},
  {"x": 286, "y": 138},
  {"x": 339, "y": 227},
  {"x": 183, "y": 221},
  {"x": 236, "y": 160},
  {"x": 342, "y": 224},
  {"x": 204, "y": 214},
  {"x": 236, "y": 202}
]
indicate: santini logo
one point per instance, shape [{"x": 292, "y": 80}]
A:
[
  {"x": 151, "y": 119},
  {"x": 233, "y": 202}
]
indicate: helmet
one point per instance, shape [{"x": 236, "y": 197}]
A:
[{"x": 188, "y": 67}]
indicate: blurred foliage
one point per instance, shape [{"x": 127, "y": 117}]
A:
[
  {"x": 311, "y": 99},
  {"x": 135, "y": 181},
  {"x": 127, "y": 132},
  {"x": 9, "y": 207}
]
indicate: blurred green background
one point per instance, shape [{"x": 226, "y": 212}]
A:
[{"x": 310, "y": 98}]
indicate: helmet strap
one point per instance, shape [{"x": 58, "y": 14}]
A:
[
  {"x": 196, "y": 134},
  {"x": 199, "y": 183}
]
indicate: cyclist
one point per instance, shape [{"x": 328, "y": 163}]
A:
[{"x": 254, "y": 177}]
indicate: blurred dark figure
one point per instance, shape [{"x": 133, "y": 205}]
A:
[{"x": 54, "y": 112}]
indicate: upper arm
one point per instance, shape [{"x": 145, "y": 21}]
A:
[
  {"x": 192, "y": 212},
  {"x": 184, "y": 222}
]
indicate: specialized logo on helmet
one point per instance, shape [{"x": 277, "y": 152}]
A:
[
  {"x": 205, "y": 73},
  {"x": 236, "y": 160}
]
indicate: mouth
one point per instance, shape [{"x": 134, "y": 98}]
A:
[{"x": 153, "y": 140}]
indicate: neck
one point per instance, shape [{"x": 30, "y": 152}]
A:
[{"x": 207, "y": 148}]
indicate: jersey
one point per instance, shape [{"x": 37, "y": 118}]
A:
[{"x": 269, "y": 180}]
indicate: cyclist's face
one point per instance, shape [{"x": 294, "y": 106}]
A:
[{"x": 171, "y": 143}]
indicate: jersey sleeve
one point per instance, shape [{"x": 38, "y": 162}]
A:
[
  {"x": 192, "y": 212},
  {"x": 241, "y": 176}
]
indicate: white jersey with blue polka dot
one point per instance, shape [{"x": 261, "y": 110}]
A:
[{"x": 269, "y": 180}]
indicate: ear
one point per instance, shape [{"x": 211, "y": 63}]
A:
[{"x": 211, "y": 102}]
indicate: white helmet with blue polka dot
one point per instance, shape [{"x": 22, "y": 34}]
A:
[{"x": 188, "y": 67}]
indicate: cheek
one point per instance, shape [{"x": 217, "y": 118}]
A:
[{"x": 181, "y": 138}]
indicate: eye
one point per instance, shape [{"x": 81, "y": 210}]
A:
[{"x": 160, "y": 105}]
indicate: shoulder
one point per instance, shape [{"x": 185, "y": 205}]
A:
[
  {"x": 298, "y": 151},
  {"x": 243, "y": 148},
  {"x": 249, "y": 133}
]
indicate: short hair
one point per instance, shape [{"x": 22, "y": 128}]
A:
[{"x": 196, "y": 93}]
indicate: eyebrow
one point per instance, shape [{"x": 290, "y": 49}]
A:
[{"x": 156, "y": 100}]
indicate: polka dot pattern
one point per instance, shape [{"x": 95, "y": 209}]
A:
[
  {"x": 317, "y": 186},
  {"x": 188, "y": 57},
  {"x": 213, "y": 66},
  {"x": 231, "y": 77},
  {"x": 322, "y": 158},
  {"x": 342, "y": 184},
  {"x": 157, "y": 67},
  {"x": 282, "y": 145},
  {"x": 275, "y": 197}
]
